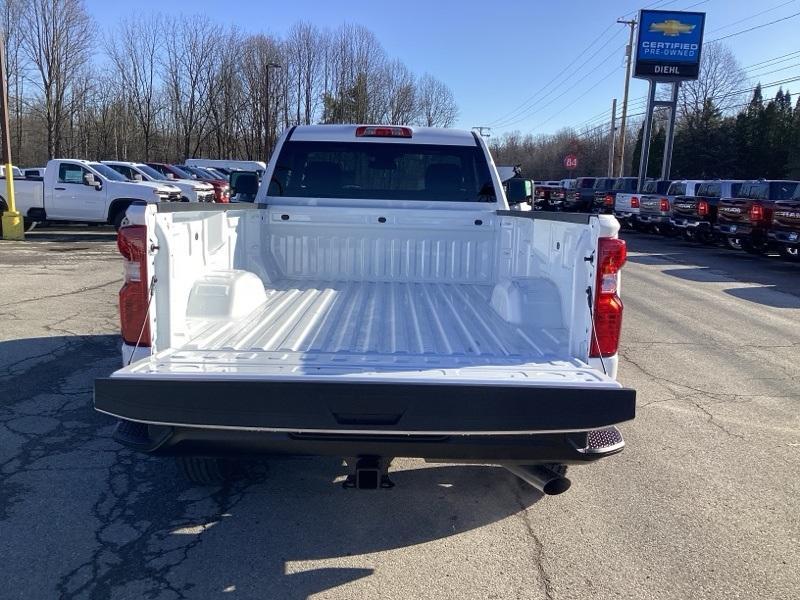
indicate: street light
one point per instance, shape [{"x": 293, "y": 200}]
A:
[{"x": 268, "y": 138}]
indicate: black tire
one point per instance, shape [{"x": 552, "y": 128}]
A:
[
  {"x": 734, "y": 243},
  {"x": 117, "y": 219},
  {"x": 203, "y": 470},
  {"x": 790, "y": 253}
]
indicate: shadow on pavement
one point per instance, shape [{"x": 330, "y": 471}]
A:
[
  {"x": 715, "y": 264},
  {"x": 113, "y": 523},
  {"x": 766, "y": 296}
]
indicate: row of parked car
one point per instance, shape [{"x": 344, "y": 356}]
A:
[
  {"x": 756, "y": 216},
  {"x": 73, "y": 190}
]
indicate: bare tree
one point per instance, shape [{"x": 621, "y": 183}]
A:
[
  {"x": 57, "y": 38},
  {"x": 304, "y": 55},
  {"x": 719, "y": 84},
  {"x": 436, "y": 103},
  {"x": 134, "y": 49},
  {"x": 188, "y": 71},
  {"x": 16, "y": 66},
  {"x": 401, "y": 94}
]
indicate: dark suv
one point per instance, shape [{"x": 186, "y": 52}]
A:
[{"x": 745, "y": 220}]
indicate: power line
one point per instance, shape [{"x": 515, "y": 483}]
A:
[
  {"x": 764, "y": 86},
  {"x": 533, "y": 101},
  {"x": 533, "y": 96},
  {"x": 725, "y": 37},
  {"x": 758, "y": 14},
  {"x": 770, "y": 62}
]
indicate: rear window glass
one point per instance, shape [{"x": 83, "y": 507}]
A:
[
  {"x": 627, "y": 185},
  {"x": 585, "y": 182},
  {"x": 603, "y": 183},
  {"x": 649, "y": 187},
  {"x": 782, "y": 190},
  {"x": 379, "y": 171},
  {"x": 677, "y": 189},
  {"x": 710, "y": 190}
]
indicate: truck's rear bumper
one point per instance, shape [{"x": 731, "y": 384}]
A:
[
  {"x": 564, "y": 448},
  {"x": 429, "y": 421}
]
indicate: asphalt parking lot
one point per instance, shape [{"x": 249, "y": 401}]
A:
[{"x": 703, "y": 503}]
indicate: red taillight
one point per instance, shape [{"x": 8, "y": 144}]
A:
[
  {"x": 634, "y": 202},
  {"x": 663, "y": 205},
  {"x": 609, "y": 200},
  {"x": 756, "y": 213},
  {"x": 380, "y": 131},
  {"x": 702, "y": 208},
  {"x": 133, "y": 297},
  {"x": 611, "y": 256}
]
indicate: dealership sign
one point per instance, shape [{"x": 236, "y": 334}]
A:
[{"x": 668, "y": 45}]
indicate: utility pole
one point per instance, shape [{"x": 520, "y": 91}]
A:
[
  {"x": 481, "y": 133},
  {"x": 268, "y": 135},
  {"x": 611, "y": 137},
  {"x": 12, "y": 228},
  {"x": 623, "y": 119}
]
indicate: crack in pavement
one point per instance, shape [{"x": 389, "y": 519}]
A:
[
  {"x": 544, "y": 578},
  {"x": 64, "y": 294}
]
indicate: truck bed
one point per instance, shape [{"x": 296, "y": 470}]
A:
[{"x": 376, "y": 330}]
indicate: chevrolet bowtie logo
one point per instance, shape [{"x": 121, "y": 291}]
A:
[{"x": 671, "y": 27}]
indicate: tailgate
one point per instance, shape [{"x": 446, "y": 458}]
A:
[
  {"x": 786, "y": 214},
  {"x": 265, "y": 393},
  {"x": 684, "y": 207},
  {"x": 733, "y": 210}
]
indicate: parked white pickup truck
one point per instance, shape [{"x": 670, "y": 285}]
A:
[
  {"x": 378, "y": 300},
  {"x": 190, "y": 191},
  {"x": 83, "y": 191}
]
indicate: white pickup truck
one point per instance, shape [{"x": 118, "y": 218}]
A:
[
  {"x": 191, "y": 191},
  {"x": 83, "y": 191},
  {"x": 378, "y": 300}
]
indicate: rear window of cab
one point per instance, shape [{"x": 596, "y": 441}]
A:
[{"x": 382, "y": 171}]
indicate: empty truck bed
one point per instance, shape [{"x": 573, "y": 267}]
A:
[{"x": 377, "y": 329}]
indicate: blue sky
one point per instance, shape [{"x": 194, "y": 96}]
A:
[{"x": 497, "y": 55}]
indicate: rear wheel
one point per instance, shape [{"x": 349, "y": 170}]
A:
[
  {"x": 734, "y": 243},
  {"x": 117, "y": 219},
  {"x": 791, "y": 253},
  {"x": 203, "y": 470}
]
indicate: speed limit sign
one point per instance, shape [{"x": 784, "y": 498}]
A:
[{"x": 570, "y": 162}]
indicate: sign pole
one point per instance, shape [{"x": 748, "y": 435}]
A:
[
  {"x": 12, "y": 228},
  {"x": 648, "y": 128},
  {"x": 623, "y": 124},
  {"x": 666, "y": 166}
]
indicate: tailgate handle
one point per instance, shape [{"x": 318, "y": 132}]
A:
[{"x": 367, "y": 419}]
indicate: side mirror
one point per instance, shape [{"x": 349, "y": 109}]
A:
[
  {"x": 245, "y": 185},
  {"x": 88, "y": 179},
  {"x": 138, "y": 177},
  {"x": 518, "y": 190},
  {"x": 170, "y": 176}
]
